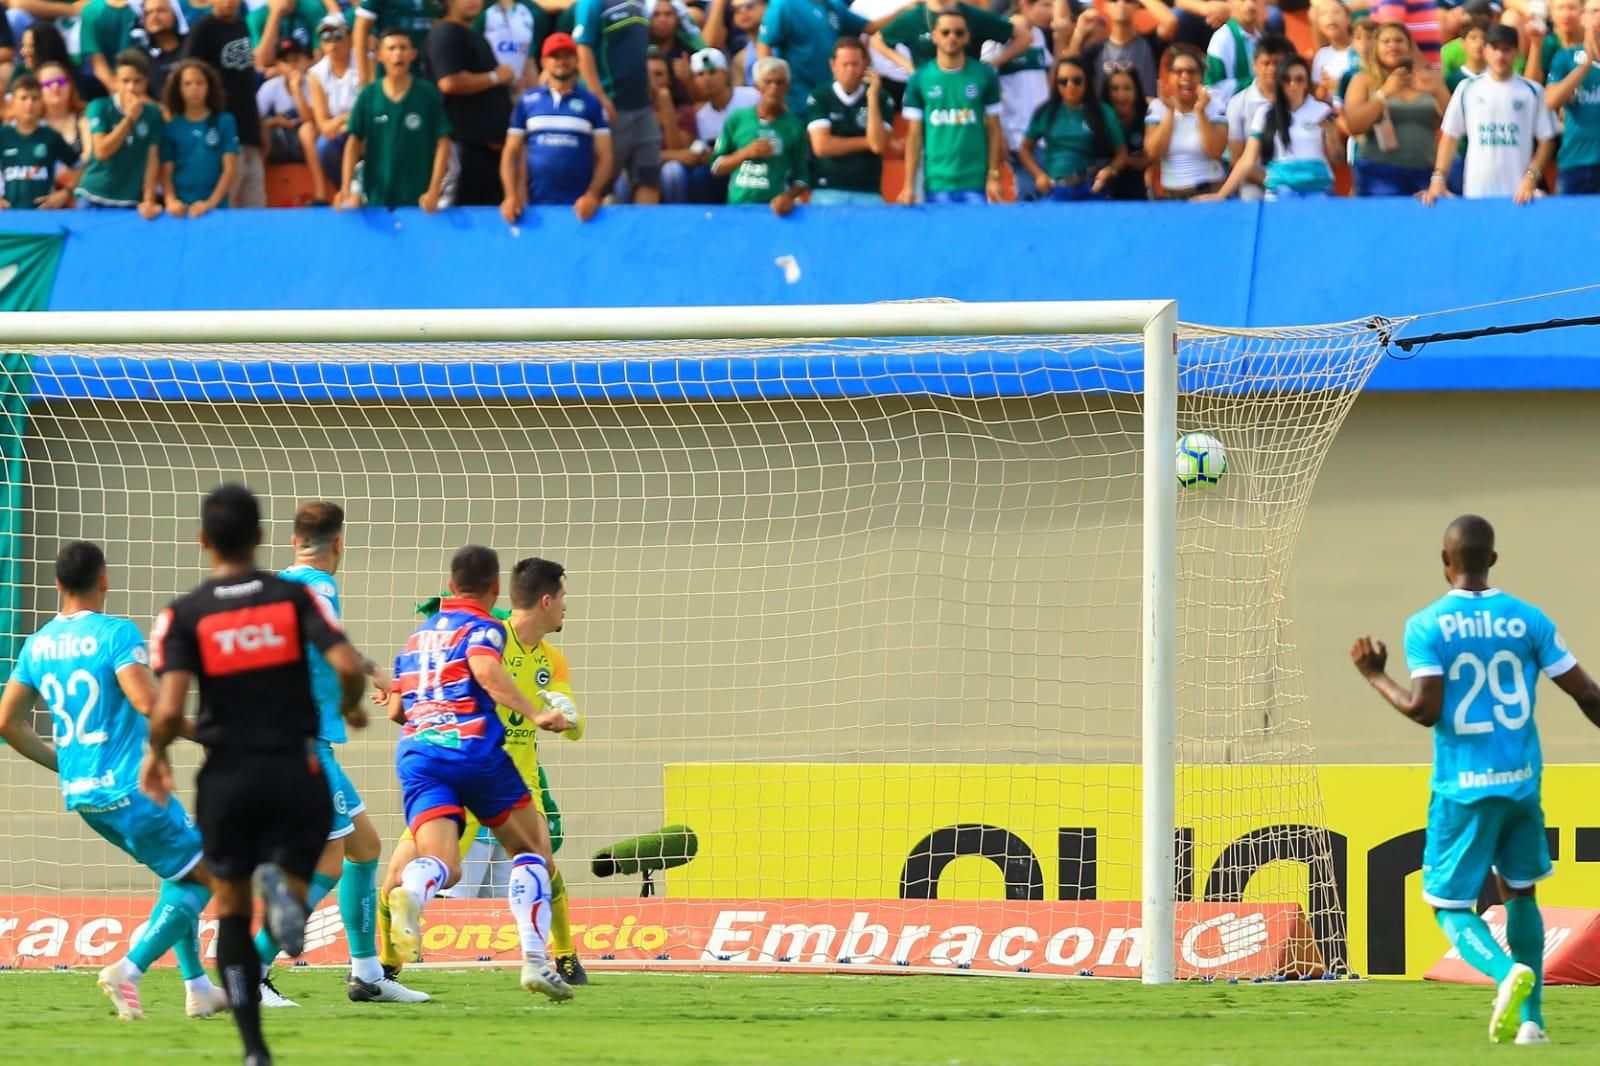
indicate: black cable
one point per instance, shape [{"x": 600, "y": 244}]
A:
[{"x": 1407, "y": 343}]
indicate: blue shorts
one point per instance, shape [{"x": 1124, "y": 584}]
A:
[
  {"x": 490, "y": 787},
  {"x": 347, "y": 801},
  {"x": 1467, "y": 840},
  {"x": 162, "y": 838}
]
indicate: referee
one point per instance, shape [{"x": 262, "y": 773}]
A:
[{"x": 264, "y": 808}]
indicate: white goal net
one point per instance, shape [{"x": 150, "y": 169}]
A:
[{"x": 862, "y": 613}]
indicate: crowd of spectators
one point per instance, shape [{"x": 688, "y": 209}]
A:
[{"x": 179, "y": 106}]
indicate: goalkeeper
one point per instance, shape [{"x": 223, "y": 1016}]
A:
[{"x": 538, "y": 607}]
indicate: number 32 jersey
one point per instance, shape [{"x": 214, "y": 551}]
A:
[
  {"x": 72, "y": 664},
  {"x": 1490, "y": 648}
]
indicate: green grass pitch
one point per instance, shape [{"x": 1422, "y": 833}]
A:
[{"x": 481, "y": 1017}]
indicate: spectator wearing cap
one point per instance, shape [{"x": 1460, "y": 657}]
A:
[
  {"x": 1393, "y": 107},
  {"x": 158, "y": 35},
  {"x": 762, "y": 150},
  {"x": 952, "y": 110},
  {"x": 849, "y": 122},
  {"x": 282, "y": 103},
  {"x": 1510, "y": 133},
  {"x": 222, "y": 39},
  {"x": 399, "y": 130},
  {"x": 1124, "y": 47},
  {"x": 415, "y": 17},
  {"x": 516, "y": 30},
  {"x": 1574, "y": 88},
  {"x": 477, "y": 99},
  {"x": 334, "y": 83},
  {"x": 802, "y": 33},
  {"x": 283, "y": 20},
  {"x": 719, "y": 97},
  {"x": 1230, "y": 56},
  {"x": 912, "y": 30},
  {"x": 558, "y": 145},
  {"x": 613, "y": 38}
]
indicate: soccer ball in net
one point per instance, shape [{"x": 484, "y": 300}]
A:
[{"x": 1201, "y": 461}]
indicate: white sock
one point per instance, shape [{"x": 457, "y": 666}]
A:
[
  {"x": 529, "y": 898},
  {"x": 423, "y": 877},
  {"x": 198, "y": 984},
  {"x": 130, "y": 971},
  {"x": 369, "y": 969}
]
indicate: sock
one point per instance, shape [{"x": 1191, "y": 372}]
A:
[
  {"x": 560, "y": 919},
  {"x": 1525, "y": 934},
  {"x": 241, "y": 978},
  {"x": 358, "y": 906},
  {"x": 387, "y": 955},
  {"x": 267, "y": 946},
  {"x": 190, "y": 966},
  {"x": 423, "y": 877},
  {"x": 529, "y": 898},
  {"x": 175, "y": 918},
  {"x": 1470, "y": 936}
]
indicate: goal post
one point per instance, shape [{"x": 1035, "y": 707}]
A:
[{"x": 1066, "y": 404}]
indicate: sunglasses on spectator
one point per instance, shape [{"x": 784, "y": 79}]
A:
[
  {"x": 1070, "y": 79},
  {"x": 952, "y": 33},
  {"x": 1191, "y": 71},
  {"x": 54, "y": 83},
  {"x": 1297, "y": 79},
  {"x": 746, "y": 6}
]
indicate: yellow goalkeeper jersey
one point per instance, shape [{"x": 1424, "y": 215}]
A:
[{"x": 541, "y": 668}]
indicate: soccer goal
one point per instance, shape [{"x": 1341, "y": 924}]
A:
[{"x": 896, "y": 614}]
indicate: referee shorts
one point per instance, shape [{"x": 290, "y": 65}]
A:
[{"x": 256, "y": 807}]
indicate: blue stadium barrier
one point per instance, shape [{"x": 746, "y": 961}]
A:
[{"x": 1235, "y": 264}]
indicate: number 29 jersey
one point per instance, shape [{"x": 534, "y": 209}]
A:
[{"x": 1490, "y": 648}]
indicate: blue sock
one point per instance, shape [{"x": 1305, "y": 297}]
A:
[
  {"x": 173, "y": 921},
  {"x": 1525, "y": 934},
  {"x": 266, "y": 947},
  {"x": 1471, "y": 937},
  {"x": 358, "y": 906}
]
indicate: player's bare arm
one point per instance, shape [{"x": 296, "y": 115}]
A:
[
  {"x": 491, "y": 674},
  {"x": 16, "y": 730},
  {"x": 1423, "y": 703},
  {"x": 1580, "y": 686}
]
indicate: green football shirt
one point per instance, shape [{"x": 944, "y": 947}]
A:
[
  {"x": 913, "y": 28},
  {"x": 952, "y": 105},
  {"x": 29, "y": 163},
  {"x": 759, "y": 181},
  {"x": 1067, "y": 147},
  {"x": 400, "y": 138},
  {"x": 119, "y": 180},
  {"x": 846, "y": 116}
]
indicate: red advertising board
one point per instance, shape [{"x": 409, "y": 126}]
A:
[{"x": 1571, "y": 948}]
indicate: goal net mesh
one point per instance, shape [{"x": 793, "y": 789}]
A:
[{"x": 862, "y": 613}]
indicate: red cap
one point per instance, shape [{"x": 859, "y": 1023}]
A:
[{"x": 557, "y": 42}]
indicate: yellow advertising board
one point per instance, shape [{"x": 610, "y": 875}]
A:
[{"x": 974, "y": 831}]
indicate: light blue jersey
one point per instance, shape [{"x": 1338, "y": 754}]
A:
[
  {"x": 72, "y": 664},
  {"x": 324, "y": 681},
  {"x": 1489, "y": 648}
]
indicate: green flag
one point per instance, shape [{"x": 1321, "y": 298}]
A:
[{"x": 28, "y": 264}]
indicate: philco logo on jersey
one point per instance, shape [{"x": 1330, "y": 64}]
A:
[
  {"x": 1480, "y": 624},
  {"x": 66, "y": 646},
  {"x": 251, "y": 638}
]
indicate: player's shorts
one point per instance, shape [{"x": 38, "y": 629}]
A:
[
  {"x": 347, "y": 802},
  {"x": 489, "y": 788},
  {"x": 1467, "y": 840},
  {"x": 257, "y": 807},
  {"x": 162, "y": 838}
]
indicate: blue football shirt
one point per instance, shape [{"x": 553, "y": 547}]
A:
[
  {"x": 325, "y": 687},
  {"x": 1489, "y": 648},
  {"x": 72, "y": 664}
]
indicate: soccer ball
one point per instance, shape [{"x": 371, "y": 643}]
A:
[{"x": 1201, "y": 461}]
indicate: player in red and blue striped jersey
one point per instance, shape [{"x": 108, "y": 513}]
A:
[{"x": 451, "y": 760}]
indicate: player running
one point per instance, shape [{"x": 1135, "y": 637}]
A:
[
  {"x": 451, "y": 761},
  {"x": 94, "y": 674},
  {"x": 264, "y": 804},
  {"x": 540, "y": 672},
  {"x": 1475, "y": 655},
  {"x": 350, "y": 858}
]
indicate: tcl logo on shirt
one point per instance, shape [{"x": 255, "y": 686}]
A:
[{"x": 251, "y": 638}]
